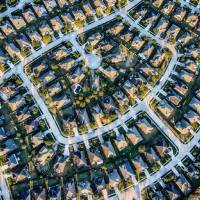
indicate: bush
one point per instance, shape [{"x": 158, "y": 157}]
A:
[
  {"x": 79, "y": 24},
  {"x": 46, "y": 39},
  {"x": 2, "y": 7},
  {"x": 67, "y": 28},
  {"x": 36, "y": 44},
  {"x": 11, "y": 2}
]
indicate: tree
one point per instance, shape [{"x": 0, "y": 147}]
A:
[
  {"x": 79, "y": 24},
  {"x": 35, "y": 111},
  {"x": 54, "y": 67},
  {"x": 81, "y": 38},
  {"x": 35, "y": 44},
  {"x": 89, "y": 47},
  {"x": 28, "y": 99},
  {"x": 2, "y": 160},
  {"x": 141, "y": 149},
  {"x": 18, "y": 134},
  {"x": 42, "y": 123},
  {"x": 2, "y": 67},
  {"x": 67, "y": 28},
  {"x": 11, "y": 2},
  {"x": 98, "y": 12},
  {"x": 28, "y": 69},
  {"x": 18, "y": 81},
  {"x": 108, "y": 10},
  {"x": 46, "y": 39}
]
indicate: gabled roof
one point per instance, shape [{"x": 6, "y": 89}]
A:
[
  {"x": 174, "y": 98},
  {"x": 69, "y": 190},
  {"x": 21, "y": 174},
  {"x": 7, "y": 91},
  {"x": 31, "y": 126},
  {"x": 84, "y": 188},
  {"x": 117, "y": 28},
  {"x": 7, "y": 28},
  {"x": 37, "y": 139},
  {"x": 34, "y": 36},
  {"x": 60, "y": 102},
  {"x": 126, "y": 170},
  {"x": 183, "y": 127},
  {"x": 168, "y": 7},
  {"x": 50, "y": 4},
  {"x": 29, "y": 15},
  {"x": 60, "y": 53},
  {"x": 62, "y": 3},
  {"x": 183, "y": 184},
  {"x": 134, "y": 136},
  {"x": 172, "y": 192},
  {"x": 17, "y": 21},
  {"x": 145, "y": 126},
  {"x": 60, "y": 164},
  {"x": 95, "y": 157},
  {"x": 67, "y": 17},
  {"x": 39, "y": 195},
  {"x": 186, "y": 77},
  {"x": 165, "y": 108},
  {"x": 121, "y": 98},
  {"x": 110, "y": 72},
  {"x": 151, "y": 156},
  {"x": 16, "y": 102},
  {"x": 47, "y": 77},
  {"x": 88, "y": 9},
  {"x": 22, "y": 41},
  {"x": 54, "y": 89},
  {"x": 40, "y": 10},
  {"x": 162, "y": 147},
  {"x": 120, "y": 142},
  {"x": 79, "y": 159},
  {"x": 108, "y": 149},
  {"x": 180, "y": 13},
  {"x": 56, "y": 23},
  {"x": 45, "y": 29},
  {"x": 192, "y": 19},
  {"x": 23, "y": 114},
  {"x": 184, "y": 38},
  {"x": 12, "y": 49},
  {"x": 195, "y": 104},
  {"x": 114, "y": 178},
  {"x": 13, "y": 160},
  {"x": 181, "y": 88},
  {"x": 130, "y": 88},
  {"x": 192, "y": 116},
  {"x": 157, "y": 3},
  {"x": 54, "y": 192},
  {"x": 139, "y": 163}
]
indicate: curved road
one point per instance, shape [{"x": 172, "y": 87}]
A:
[{"x": 184, "y": 149}]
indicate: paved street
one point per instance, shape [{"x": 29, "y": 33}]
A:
[
  {"x": 19, "y": 69},
  {"x": 193, "y": 9},
  {"x": 4, "y": 191},
  {"x": 19, "y": 6},
  {"x": 184, "y": 149}
]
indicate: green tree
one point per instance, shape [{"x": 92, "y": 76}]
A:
[
  {"x": 141, "y": 149},
  {"x": 46, "y": 39}
]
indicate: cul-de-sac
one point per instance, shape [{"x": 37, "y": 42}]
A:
[{"x": 99, "y": 99}]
